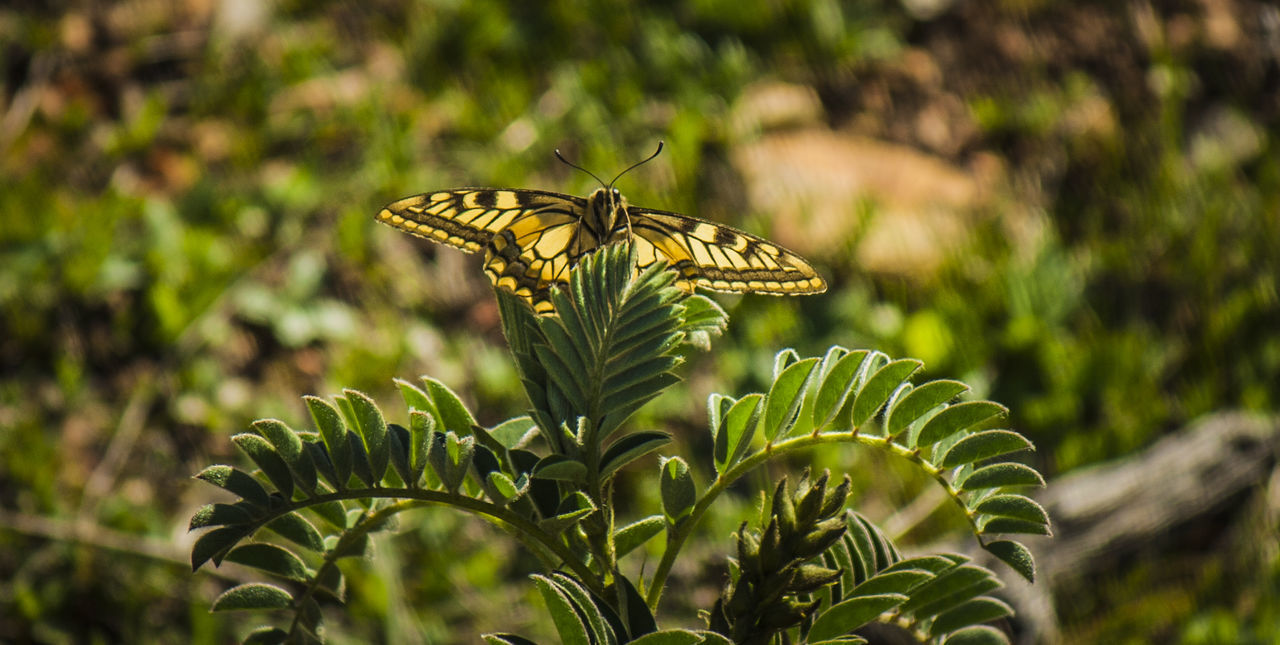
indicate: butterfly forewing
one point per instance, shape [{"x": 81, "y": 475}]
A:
[
  {"x": 467, "y": 218},
  {"x": 721, "y": 258},
  {"x": 532, "y": 238}
]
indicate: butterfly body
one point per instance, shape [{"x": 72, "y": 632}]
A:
[{"x": 531, "y": 238}]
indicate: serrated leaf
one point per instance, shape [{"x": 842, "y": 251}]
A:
[
  {"x": 458, "y": 454},
  {"x": 977, "y": 635},
  {"x": 737, "y": 431},
  {"x": 677, "y": 488},
  {"x": 630, "y": 448},
  {"x": 877, "y": 389},
  {"x": 921, "y": 400},
  {"x": 219, "y": 515},
  {"x": 836, "y": 386},
  {"x": 712, "y": 638},
  {"x": 214, "y": 544},
  {"x": 514, "y": 433},
  {"x": 398, "y": 445},
  {"x": 956, "y": 418},
  {"x": 330, "y": 581},
  {"x": 640, "y": 620},
  {"x": 561, "y": 376},
  {"x": 717, "y": 406},
  {"x": 861, "y": 550},
  {"x": 351, "y": 548},
  {"x": 570, "y": 510},
  {"x": 453, "y": 414},
  {"x": 333, "y": 513},
  {"x": 900, "y": 581},
  {"x": 622, "y": 375},
  {"x": 631, "y": 536},
  {"x": 272, "y": 559},
  {"x": 288, "y": 445},
  {"x": 785, "y": 397},
  {"x": 333, "y": 431},
  {"x": 984, "y": 445},
  {"x": 783, "y": 359},
  {"x": 935, "y": 564},
  {"x": 881, "y": 548},
  {"x": 373, "y": 430},
  {"x": 236, "y": 482},
  {"x": 360, "y": 459},
  {"x": 560, "y": 468},
  {"x": 568, "y": 624},
  {"x": 504, "y": 490},
  {"x": 973, "y": 612},
  {"x": 296, "y": 529},
  {"x": 324, "y": 466},
  {"x": 415, "y": 398},
  {"x": 950, "y": 589},
  {"x": 1015, "y": 555},
  {"x": 266, "y": 635},
  {"x": 484, "y": 461},
  {"x": 1002, "y": 475},
  {"x": 703, "y": 320},
  {"x": 599, "y": 631},
  {"x": 506, "y": 639},
  {"x": 1011, "y": 525},
  {"x": 308, "y": 620},
  {"x": 829, "y": 360},
  {"x": 254, "y": 595},
  {"x": 669, "y": 637},
  {"x": 847, "y": 616},
  {"x": 421, "y": 427},
  {"x": 838, "y": 556},
  {"x": 624, "y": 403},
  {"x": 270, "y": 463},
  {"x": 1014, "y": 506}
]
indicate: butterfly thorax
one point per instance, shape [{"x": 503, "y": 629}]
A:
[{"x": 606, "y": 216}]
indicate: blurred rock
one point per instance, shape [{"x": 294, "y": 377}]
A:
[
  {"x": 1224, "y": 139},
  {"x": 241, "y": 19},
  {"x": 774, "y": 105},
  {"x": 1181, "y": 495},
  {"x": 926, "y": 9},
  {"x": 819, "y": 186}
]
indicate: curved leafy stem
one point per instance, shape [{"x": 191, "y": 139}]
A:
[{"x": 919, "y": 424}]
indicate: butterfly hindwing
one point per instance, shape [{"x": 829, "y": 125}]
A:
[
  {"x": 721, "y": 258},
  {"x": 532, "y": 254},
  {"x": 525, "y": 234}
]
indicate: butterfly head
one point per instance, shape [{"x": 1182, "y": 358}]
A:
[
  {"x": 607, "y": 210},
  {"x": 606, "y": 207}
]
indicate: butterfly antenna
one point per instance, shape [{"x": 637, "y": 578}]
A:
[
  {"x": 576, "y": 166},
  {"x": 638, "y": 164}
]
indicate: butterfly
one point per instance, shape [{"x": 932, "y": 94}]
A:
[{"x": 531, "y": 238}]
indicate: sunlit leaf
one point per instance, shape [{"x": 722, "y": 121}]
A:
[{"x": 255, "y": 595}]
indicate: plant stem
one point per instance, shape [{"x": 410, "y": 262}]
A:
[{"x": 524, "y": 529}]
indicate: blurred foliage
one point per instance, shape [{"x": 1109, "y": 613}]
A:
[{"x": 186, "y": 241}]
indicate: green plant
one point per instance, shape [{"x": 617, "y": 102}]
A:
[{"x": 809, "y": 569}]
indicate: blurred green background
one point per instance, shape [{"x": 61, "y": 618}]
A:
[{"x": 1074, "y": 206}]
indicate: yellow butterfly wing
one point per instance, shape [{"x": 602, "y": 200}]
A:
[
  {"x": 467, "y": 218},
  {"x": 720, "y": 258},
  {"x": 530, "y": 237}
]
